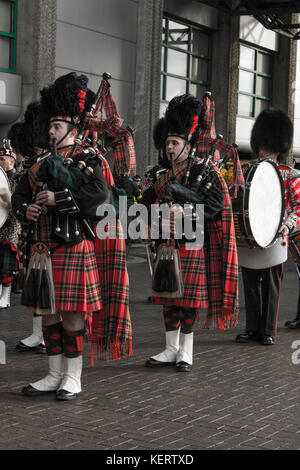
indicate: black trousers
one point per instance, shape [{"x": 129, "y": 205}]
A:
[{"x": 262, "y": 296}]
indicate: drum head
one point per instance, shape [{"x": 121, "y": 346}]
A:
[
  {"x": 4, "y": 183},
  {"x": 266, "y": 202}
]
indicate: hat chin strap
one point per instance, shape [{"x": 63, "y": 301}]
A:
[
  {"x": 178, "y": 156},
  {"x": 63, "y": 138}
]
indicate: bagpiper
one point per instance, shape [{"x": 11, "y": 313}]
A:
[
  {"x": 59, "y": 197},
  {"x": 204, "y": 277}
]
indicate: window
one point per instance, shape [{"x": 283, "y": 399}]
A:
[
  {"x": 255, "y": 81},
  {"x": 8, "y": 26},
  {"x": 186, "y": 52}
]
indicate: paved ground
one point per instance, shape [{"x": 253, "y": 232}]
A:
[{"x": 240, "y": 397}]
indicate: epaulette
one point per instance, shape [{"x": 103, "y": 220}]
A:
[
  {"x": 287, "y": 167},
  {"x": 294, "y": 173}
]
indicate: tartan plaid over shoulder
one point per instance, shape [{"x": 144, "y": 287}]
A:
[
  {"x": 222, "y": 268},
  {"x": 123, "y": 145},
  {"x": 111, "y": 331}
]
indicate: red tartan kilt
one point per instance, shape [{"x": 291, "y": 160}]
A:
[
  {"x": 193, "y": 272},
  {"x": 76, "y": 279}
]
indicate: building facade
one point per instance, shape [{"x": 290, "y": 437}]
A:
[{"x": 154, "y": 49}]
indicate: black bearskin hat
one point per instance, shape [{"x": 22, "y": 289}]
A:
[
  {"x": 160, "y": 133},
  {"x": 272, "y": 131},
  {"x": 17, "y": 136},
  {"x": 183, "y": 117},
  {"x": 68, "y": 99},
  {"x": 31, "y": 133}
]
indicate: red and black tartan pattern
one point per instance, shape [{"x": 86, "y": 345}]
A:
[
  {"x": 6, "y": 279},
  {"x": 123, "y": 148},
  {"x": 291, "y": 182},
  {"x": 208, "y": 127},
  {"x": 178, "y": 317},
  {"x": 73, "y": 343},
  {"x": 111, "y": 335},
  {"x": 9, "y": 258},
  {"x": 53, "y": 337},
  {"x": 75, "y": 273},
  {"x": 210, "y": 274},
  {"x": 222, "y": 268}
]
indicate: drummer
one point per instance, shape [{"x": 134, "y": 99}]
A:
[
  {"x": 262, "y": 268},
  {"x": 11, "y": 229}
]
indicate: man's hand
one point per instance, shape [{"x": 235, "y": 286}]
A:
[
  {"x": 283, "y": 231},
  {"x": 33, "y": 212},
  {"x": 46, "y": 198}
]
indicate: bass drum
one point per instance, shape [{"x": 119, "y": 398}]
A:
[
  {"x": 258, "y": 213},
  {"x": 4, "y": 210}
]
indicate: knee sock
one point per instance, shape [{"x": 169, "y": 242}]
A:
[
  {"x": 171, "y": 317},
  {"x": 73, "y": 343},
  {"x": 53, "y": 337},
  {"x": 187, "y": 320}
]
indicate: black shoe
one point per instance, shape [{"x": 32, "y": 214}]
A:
[
  {"x": 30, "y": 391},
  {"x": 21, "y": 347},
  {"x": 247, "y": 337},
  {"x": 183, "y": 367},
  {"x": 268, "y": 340},
  {"x": 64, "y": 395},
  {"x": 293, "y": 324},
  {"x": 154, "y": 363},
  {"x": 40, "y": 349}
]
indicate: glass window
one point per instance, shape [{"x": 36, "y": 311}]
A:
[
  {"x": 177, "y": 63},
  {"x": 5, "y": 48},
  {"x": 8, "y": 18},
  {"x": 247, "y": 57},
  {"x": 245, "y": 105},
  {"x": 185, "y": 60},
  {"x": 263, "y": 86},
  {"x": 178, "y": 35},
  {"x": 175, "y": 87},
  {"x": 246, "y": 81},
  {"x": 255, "y": 81},
  {"x": 261, "y": 105},
  {"x": 263, "y": 63}
]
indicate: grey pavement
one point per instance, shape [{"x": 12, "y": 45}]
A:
[{"x": 237, "y": 397}]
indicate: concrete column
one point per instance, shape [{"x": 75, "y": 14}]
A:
[
  {"x": 147, "y": 82},
  {"x": 220, "y": 82},
  {"x": 36, "y": 45},
  {"x": 45, "y": 46},
  {"x": 284, "y": 70},
  {"x": 233, "y": 82}
]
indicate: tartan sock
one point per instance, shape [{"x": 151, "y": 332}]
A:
[
  {"x": 53, "y": 339},
  {"x": 6, "y": 279},
  {"x": 187, "y": 320},
  {"x": 171, "y": 317},
  {"x": 73, "y": 342}
]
